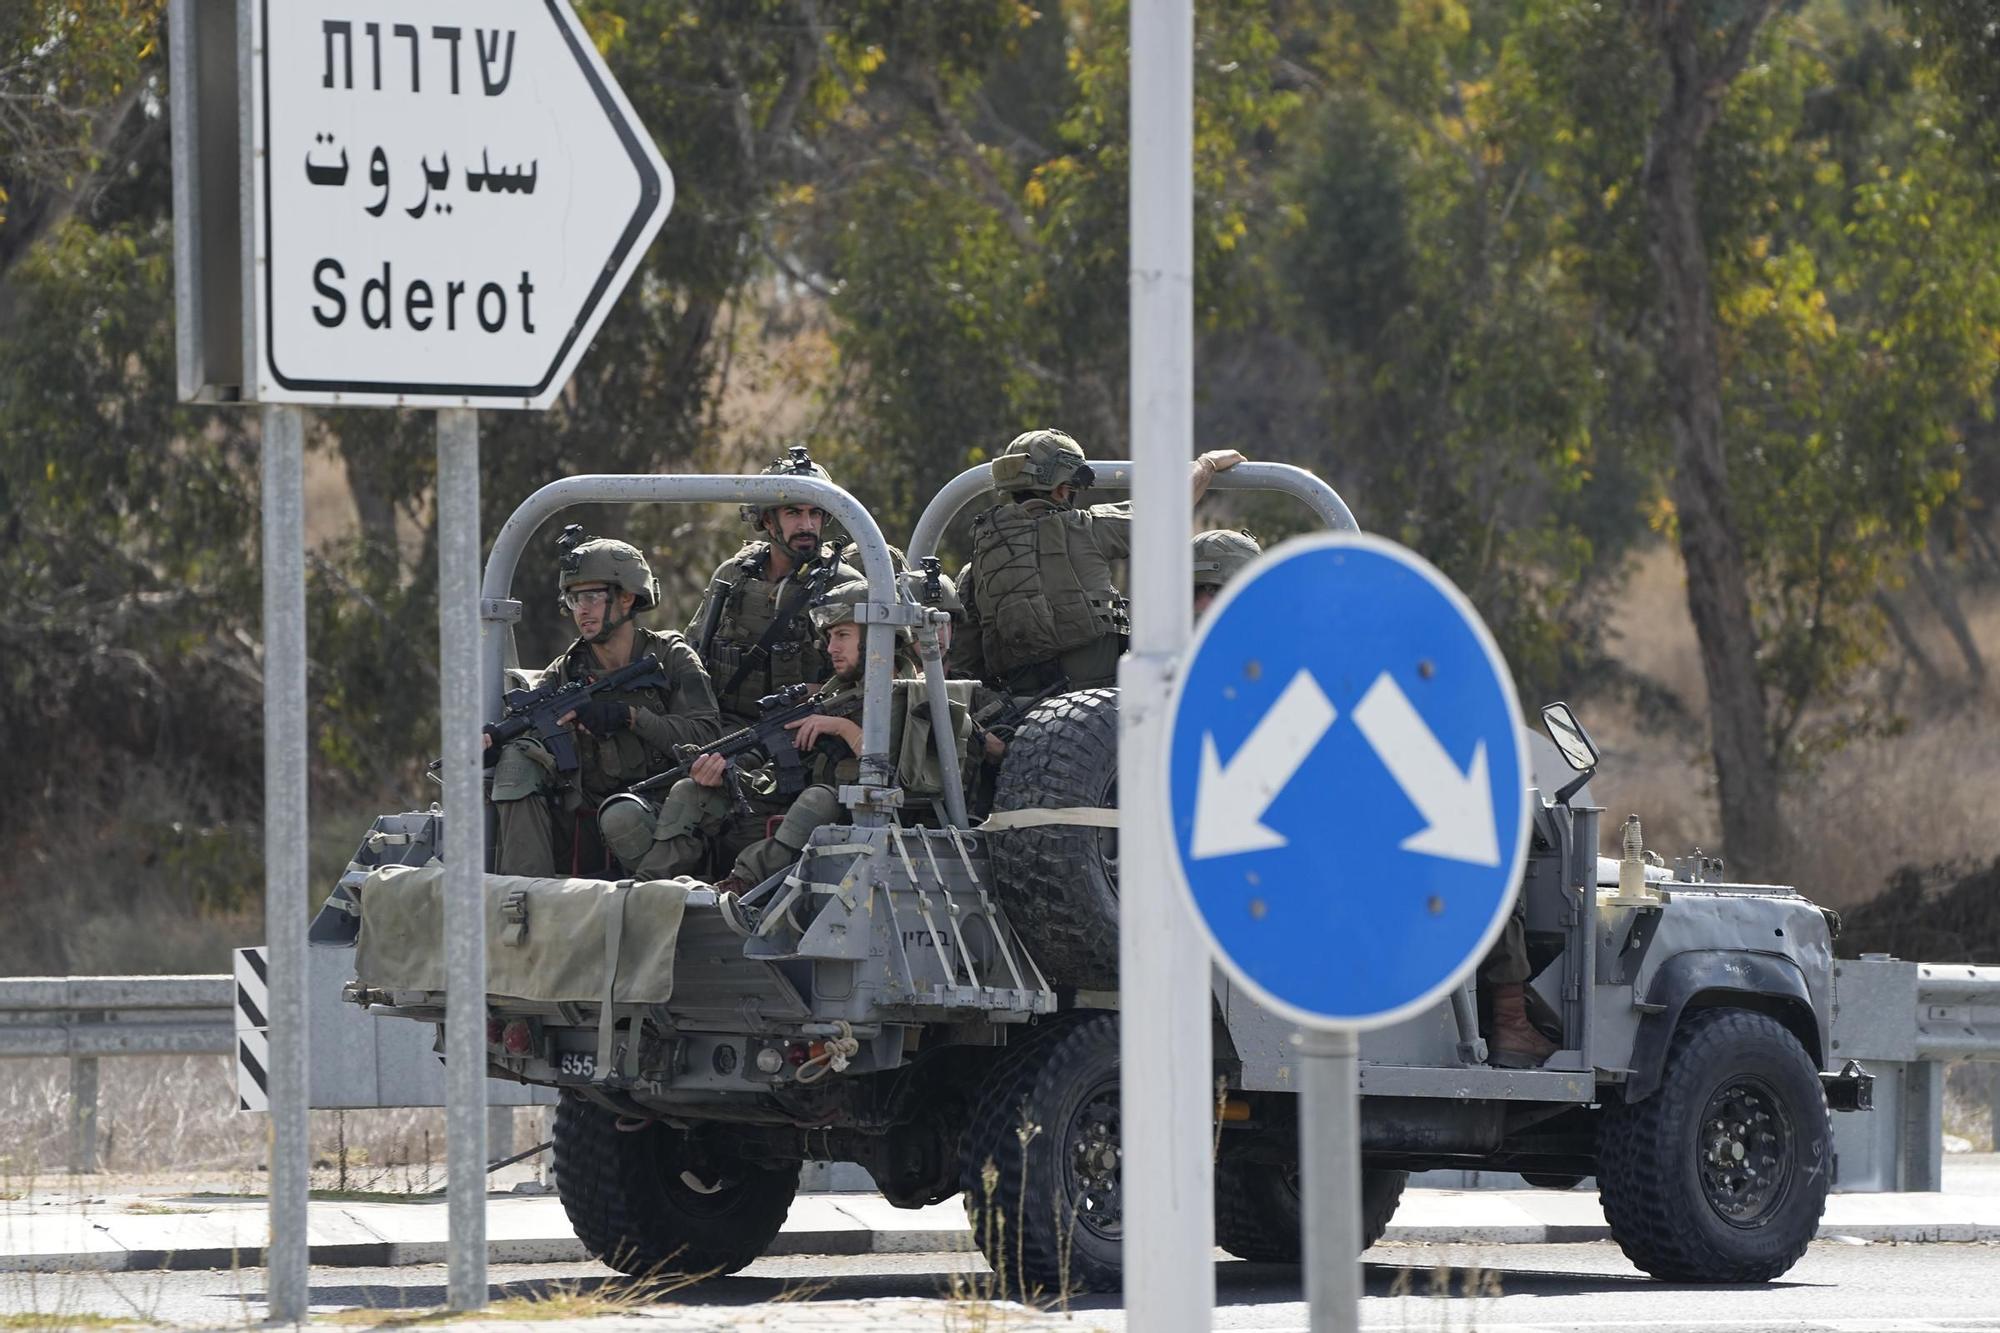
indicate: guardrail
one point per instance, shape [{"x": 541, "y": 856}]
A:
[
  {"x": 1905, "y": 1021},
  {"x": 1958, "y": 1012},
  {"x": 87, "y": 1018}
]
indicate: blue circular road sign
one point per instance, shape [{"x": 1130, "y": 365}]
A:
[{"x": 1348, "y": 780}]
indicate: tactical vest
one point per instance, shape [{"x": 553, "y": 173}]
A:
[
  {"x": 750, "y": 604},
  {"x": 606, "y": 764},
  {"x": 1041, "y": 586}
]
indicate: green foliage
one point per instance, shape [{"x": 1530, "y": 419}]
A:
[
  {"x": 1858, "y": 295},
  {"x": 123, "y": 560},
  {"x": 979, "y": 269},
  {"x": 1471, "y": 374},
  {"x": 1421, "y": 270}
]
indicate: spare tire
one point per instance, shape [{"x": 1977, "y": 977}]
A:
[{"x": 1059, "y": 882}]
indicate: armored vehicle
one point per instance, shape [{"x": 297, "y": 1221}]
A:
[{"x": 936, "y": 1001}]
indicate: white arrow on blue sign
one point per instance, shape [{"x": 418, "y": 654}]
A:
[{"x": 1347, "y": 774}]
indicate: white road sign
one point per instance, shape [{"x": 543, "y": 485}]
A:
[{"x": 448, "y": 197}]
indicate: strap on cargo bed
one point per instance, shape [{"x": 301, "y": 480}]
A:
[
  {"x": 1078, "y": 816},
  {"x": 614, "y": 935}
]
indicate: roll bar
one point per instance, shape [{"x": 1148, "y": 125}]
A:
[
  {"x": 964, "y": 490},
  {"x": 499, "y": 611}
]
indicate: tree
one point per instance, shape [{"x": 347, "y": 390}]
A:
[
  {"x": 977, "y": 268},
  {"x": 1702, "y": 53}
]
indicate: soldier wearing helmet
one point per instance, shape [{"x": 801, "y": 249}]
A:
[
  {"x": 621, "y": 736},
  {"x": 1039, "y": 588},
  {"x": 694, "y": 821},
  {"x": 931, "y": 587},
  {"x": 1220, "y": 554},
  {"x": 750, "y": 630}
]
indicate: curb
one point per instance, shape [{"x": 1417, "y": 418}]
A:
[
  {"x": 859, "y": 1240},
  {"x": 410, "y": 1254}
]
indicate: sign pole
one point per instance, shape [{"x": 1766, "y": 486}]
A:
[
  {"x": 1329, "y": 1176},
  {"x": 285, "y": 870},
  {"x": 435, "y": 215},
  {"x": 1167, "y": 1122},
  {"x": 459, "y": 717}
]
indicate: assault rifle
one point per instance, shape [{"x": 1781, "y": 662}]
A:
[
  {"x": 538, "y": 711},
  {"x": 1003, "y": 718},
  {"x": 769, "y": 737}
]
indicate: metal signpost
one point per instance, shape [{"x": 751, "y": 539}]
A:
[
  {"x": 1167, "y": 1115},
  {"x": 1346, "y": 773},
  {"x": 381, "y": 207}
]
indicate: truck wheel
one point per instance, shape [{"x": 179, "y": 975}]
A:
[
  {"x": 648, "y": 1202},
  {"x": 1720, "y": 1175},
  {"x": 1059, "y": 882},
  {"x": 1258, "y": 1214},
  {"x": 1039, "y": 1165}
]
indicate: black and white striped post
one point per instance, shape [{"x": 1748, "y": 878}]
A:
[{"x": 253, "y": 1030}]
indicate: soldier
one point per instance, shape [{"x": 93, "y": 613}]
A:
[
  {"x": 1220, "y": 554},
  {"x": 751, "y": 630},
  {"x": 697, "y": 812},
  {"x": 621, "y": 736},
  {"x": 1040, "y": 587},
  {"x": 1514, "y": 1041},
  {"x": 994, "y": 715}
]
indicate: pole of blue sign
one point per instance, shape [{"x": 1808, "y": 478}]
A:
[
  {"x": 1330, "y": 1177},
  {"x": 1166, "y": 1057}
]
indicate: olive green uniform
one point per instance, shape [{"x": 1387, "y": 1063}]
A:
[
  {"x": 744, "y": 603},
  {"x": 1507, "y": 960},
  {"x": 694, "y": 818},
  {"x": 539, "y": 807},
  {"x": 1039, "y": 594}
]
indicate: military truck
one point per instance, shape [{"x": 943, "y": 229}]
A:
[{"x": 936, "y": 1001}]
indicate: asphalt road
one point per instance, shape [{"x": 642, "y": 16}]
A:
[{"x": 1838, "y": 1287}]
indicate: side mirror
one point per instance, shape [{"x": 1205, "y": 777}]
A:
[{"x": 1578, "y": 750}]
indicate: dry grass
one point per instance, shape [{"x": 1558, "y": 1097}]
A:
[
  {"x": 1971, "y": 1101},
  {"x": 177, "y": 1114},
  {"x": 1922, "y": 795},
  {"x": 555, "y": 1302}
]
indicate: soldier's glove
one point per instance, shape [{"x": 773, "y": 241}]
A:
[{"x": 602, "y": 717}]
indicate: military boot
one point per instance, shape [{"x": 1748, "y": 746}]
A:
[{"x": 1515, "y": 1043}]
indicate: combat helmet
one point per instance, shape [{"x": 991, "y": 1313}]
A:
[
  {"x": 836, "y": 607},
  {"x": 797, "y": 462},
  {"x": 1220, "y": 554},
  {"x": 930, "y": 586},
  {"x": 587, "y": 559},
  {"x": 1040, "y": 461}
]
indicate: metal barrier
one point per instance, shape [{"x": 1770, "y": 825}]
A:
[
  {"x": 1904, "y": 1021},
  {"x": 85, "y": 1019},
  {"x": 975, "y": 484}
]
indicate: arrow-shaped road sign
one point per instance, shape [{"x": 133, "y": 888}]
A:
[{"x": 446, "y": 207}]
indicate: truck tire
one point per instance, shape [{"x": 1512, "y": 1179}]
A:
[
  {"x": 1059, "y": 882},
  {"x": 1048, "y": 1212},
  {"x": 1721, "y": 1174},
  {"x": 648, "y": 1204},
  {"x": 1258, "y": 1215}
]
